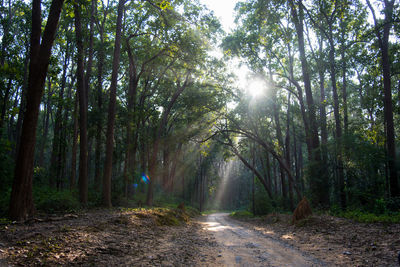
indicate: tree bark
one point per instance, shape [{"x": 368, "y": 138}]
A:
[
  {"x": 318, "y": 186},
  {"x": 56, "y": 154},
  {"x": 21, "y": 202},
  {"x": 287, "y": 153},
  {"x": 74, "y": 144},
  {"x": 111, "y": 110},
  {"x": 383, "y": 40},
  {"x": 99, "y": 113},
  {"x": 83, "y": 142},
  {"x": 46, "y": 119}
]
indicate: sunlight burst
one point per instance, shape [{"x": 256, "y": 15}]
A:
[{"x": 256, "y": 88}]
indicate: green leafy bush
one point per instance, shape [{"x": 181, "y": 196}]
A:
[
  {"x": 52, "y": 201},
  {"x": 241, "y": 214},
  {"x": 365, "y": 217},
  {"x": 5, "y": 202}
]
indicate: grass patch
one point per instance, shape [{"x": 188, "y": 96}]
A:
[
  {"x": 365, "y": 217},
  {"x": 241, "y": 214}
]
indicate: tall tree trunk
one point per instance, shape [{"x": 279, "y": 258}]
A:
[
  {"x": 46, "y": 119},
  {"x": 74, "y": 144},
  {"x": 322, "y": 110},
  {"x": 87, "y": 77},
  {"x": 111, "y": 110},
  {"x": 344, "y": 84},
  {"x": 302, "y": 105},
  {"x": 253, "y": 200},
  {"x": 99, "y": 113},
  {"x": 338, "y": 125},
  {"x": 296, "y": 159},
  {"x": 318, "y": 185},
  {"x": 56, "y": 154},
  {"x": 131, "y": 137},
  {"x": 5, "y": 101},
  {"x": 21, "y": 202},
  {"x": 383, "y": 39},
  {"x": 287, "y": 153},
  {"x": 278, "y": 133},
  {"x": 83, "y": 142},
  {"x": 275, "y": 177}
]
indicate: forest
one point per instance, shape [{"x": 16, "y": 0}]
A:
[{"x": 118, "y": 103}]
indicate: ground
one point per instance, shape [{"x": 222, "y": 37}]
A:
[
  {"x": 163, "y": 238},
  {"x": 334, "y": 241}
]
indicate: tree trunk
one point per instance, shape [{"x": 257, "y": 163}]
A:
[
  {"x": 131, "y": 138},
  {"x": 4, "y": 102},
  {"x": 21, "y": 202},
  {"x": 287, "y": 153},
  {"x": 83, "y": 142},
  {"x": 336, "y": 112},
  {"x": 99, "y": 113},
  {"x": 318, "y": 186},
  {"x": 22, "y": 106},
  {"x": 111, "y": 110},
  {"x": 46, "y": 119},
  {"x": 56, "y": 154},
  {"x": 383, "y": 39},
  {"x": 278, "y": 134},
  {"x": 74, "y": 144}
]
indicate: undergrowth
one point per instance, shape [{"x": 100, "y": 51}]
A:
[
  {"x": 241, "y": 214},
  {"x": 366, "y": 217}
]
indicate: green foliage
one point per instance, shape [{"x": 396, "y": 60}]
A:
[
  {"x": 94, "y": 198},
  {"x": 52, "y": 201},
  {"x": 263, "y": 203},
  {"x": 5, "y": 202},
  {"x": 5, "y": 221},
  {"x": 6, "y": 163},
  {"x": 366, "y": 217},
  {"x": 241, "y": 214},
  {"x": 379, "y": 210}
]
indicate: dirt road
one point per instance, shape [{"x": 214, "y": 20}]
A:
[{"x": 240, "y": 246}]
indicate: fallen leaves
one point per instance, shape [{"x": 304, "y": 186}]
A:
[{"x": 107, "y": 238}]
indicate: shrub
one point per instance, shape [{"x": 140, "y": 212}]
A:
[
  {"x": 365, "y": 217},
  {"x": 241, "y": 214},
  {"x": 52, "y": 201}
]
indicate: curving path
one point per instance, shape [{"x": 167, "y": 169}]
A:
[{"x": 240, "y": 246}]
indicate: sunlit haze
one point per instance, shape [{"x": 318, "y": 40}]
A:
[
  {"x": 256, "y": 88},
  {"x": 224, "y": 11}
]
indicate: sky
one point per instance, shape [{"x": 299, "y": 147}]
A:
[{"x": 224, "y": 11}]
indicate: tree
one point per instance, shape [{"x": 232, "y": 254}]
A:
[
  {"x": 21, "y": 202},
  {"x": 382, "y": 33},
  {"x": 111, "y": 109}
]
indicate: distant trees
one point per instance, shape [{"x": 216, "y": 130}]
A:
[
  {"x": 300, "y": 50},
  {"x": 149, "y": 57},
  {"x": 326, "y": 125}
]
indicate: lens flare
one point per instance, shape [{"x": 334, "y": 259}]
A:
[{"x": 256, "y": 88}]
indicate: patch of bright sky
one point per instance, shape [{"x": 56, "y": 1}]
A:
[{"x": 224, "y": 11}]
